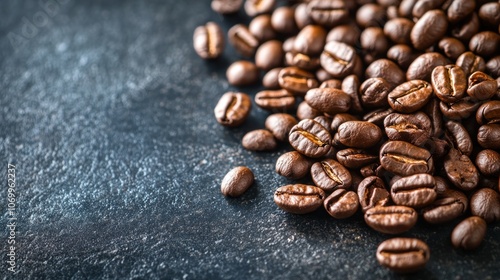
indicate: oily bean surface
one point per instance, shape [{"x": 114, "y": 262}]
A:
[
  {"x": 233, "y": 109},
  {"x": 469, "y": 233},
  {"x": 299, "y": 198},
  {"x": 341, "y": 204},
  {"x": 403, "y": 255},
  {"x": 237, "y": 181},
  {"x": 391, "y": 219}
]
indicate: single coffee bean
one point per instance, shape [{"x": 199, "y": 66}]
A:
[
  {"x": 328, "y": 13},
  {"x": 459, "y": 138},
  {"x": 259, "y": 140},
  {"x": 461, "y": 109},
  {"x": 299, "y": 198},
  {"x": 449, "y": 205},
  {"x": 451, "y": 47},
  {"x": 293, "y": 165},
  {"x": 283, "y": 20},
  {"x": 469, "y": 233},
  {"x": 405, "y": 8},
  {"x": 378, "y": 116},
  {"x": 233, "y": 109},
  {"x": 257, "y": 7},
  {"x": 330, "y": 175},
  {"x": 370, "y": 15},
  {"x": 460, "y": 9},
  {"x": 423, "y": 6},
  {"x": 270, "y": 79},
  {"x": 429, "y": 29},
  {"x": 374, "y": 92},
  {"x": 415, "y": 191},
  {"x": 310, "y": 40},
  {"x": 242, "y": 40},
  {"x": 226, "y": 6},
  {"x": 403, "y": 55},
  {"x": 460, "y": 170},
  {"x": 384, "y": 68},
  {"x": 331, "y": 83},
  {"x": 449, "y": 83},
  {"x": 339, "y": 119},
  {"x": 237, "y": 181},
  {"x": 275, "y": 100},
  {"x": 485, "y": 43},
  {"x": 398, "y": 30},
  {"x": 489, "y": 13},
  {"x": 372, "y": 193},
  {"x": 288, "y": 44},
  {"x": 296, "y": 80},
  {"x": 269, "y": 55},
  {"x": 374, "y": 43},
  {"x": 350, "y": 85},
  {"x": 280, "y": 125},
  {"x": 403, "y": 158},
  {"x": 466, "y": 28},
  {"x": 208, "y": 40},
  {"x": 341, "y": 204},
  {"x": 328, "y": 100},
  {"x": 485, "y": 203},
  {"x": 325, "y": 121},
  {"x": 403, "y": 255},
  {"x": 302, "y": 18},
  {"x": 310, "y": 138},
  {"x": 410, "y": 96},
  {"x": 347, "y": 34},
  {"x": 242, "y": 73},
  {"x": 493, "y": 66},
  {"x": 470, "y": 63},
  {"x": 261, "y": 28},
  {"x": 358, "y": 134},
  {"x": 413, "y": 128},
  {"x": 488, "y": 162},
  {"x": 355, "y": 158},
  {"x": 302, "y": 61},
  {"x": 421, "y": 68},
  {"x": 488, "y": 136},
  {"x": 304, "y": 111},
  {"x": 481, "y": 86},
  {"x": 338, "y": 59},
  {"x": 391, "y": 219}
]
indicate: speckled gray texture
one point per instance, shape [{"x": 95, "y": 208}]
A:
[{"x": 107, "y": 114}]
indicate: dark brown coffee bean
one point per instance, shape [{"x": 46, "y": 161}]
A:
[
  {"x": 460, "y": 9},
  {"x": 293, "y": 165},
  {"x": 459, "y": 138},
  {"x": 384, "y": 68},
  {"x": 410, "y": 96},
  {"x": 325, "y": 121},
  {"x": 341, "y": 204},
  {"x": 469, "y": 234},
  {"x": 489, "y": 13},
  {"x": 466, "y": 28},
  {"x": 414, "y": 128},
  {"x": 488, "y": 162},
  {"x": 208, "y": 40},
  {"x": 421, "y": 68},
  {"x": 261, "y": 28},
  {"x": 436, "y": 116},
  {"x": 451, "y": 47},
  {"x": 391, "y": 219},
  {"x": 327, "y": 13},
  {"x": 339, "y": 119},
  {"x": 423, "y": 6},
  {"x": 449, "y": 205},
  {"x": 331, "y": 83},
  {"x": 398, "y": 30},
  {"x": 283, "y": 20},
  {"x": 269, "y": 55},
  {"x": 350, "y": 85},
  {"x": 330, "y": 175},
  {"x": 304, "y": 111},
  {"x": 233, "y": 109},
  {"x": 371, "y": 15},
  {"x": 372, "y": 193},
  {"x": 338, "y": 59},
  {"x": 296, "y": 80},
  {"x": 493, "y": 66},
  {"x": 260, "y": 140},
  {"x": 415, "y": 191},
  {"x": 403, "y": 158},
  {"x": 374, "y": 92},
  {"x": 378, "y": 116},
  {"x": 403, "y": 255},
  {"x": 460, "y": 170},
  {"x": 358, "y": 134},
  {"x": 403, "y": 55},
  {"x": 355, "y": 158},
  {"x": 328, "y": 100},
  {"x": 242, "y": 73},
  {"x": 302, "y": 18},
  {"x": 310, "y": 40},
  {"x": 485, "y": 203},
  {"x": 405, "y": 8},
  {"x": 449, "y": 83},
  {"x": 237, "y": 181},
  {"x": 374, "y": 44},
  {"x": 485, "y": 43},
  {"x": 488, "y": 136},
  {"x": 310, "y": 138},
  {"x": 242, "y": 40},
  {"x": 302, "y": 61},
  {"x": 481, "y": 86},
  {"x": 299, "y": 198},
  {"x": 275, "y": 100},
  {"x": 470, "y": 63},
  {"x": 270, "y": 79},
  {"x": 347, "y": 34},
  {"x": 429, "y": 29},
  {"x": 280, "y": 125},
  {"x": 226, "y": 6},
  {"x": 461, "y": 109},
  {"x": 257, "y": 7}
]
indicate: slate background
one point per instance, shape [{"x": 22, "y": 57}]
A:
[{"x": 107, "y": 113}]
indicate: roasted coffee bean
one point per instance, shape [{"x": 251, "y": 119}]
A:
[
  {"x": 302, "y": 61},
  {"x": 341, "y": 204},
  {"x": 328, "y": 100},
  {"x": 423, "y": 6},
  {"x": 461, "y": 109},
  {"x": 358, "y": 134},
  {"x": 449, "y": 205},
  {"x": 355, "y": 158},
  {"x": 296, "y": 80},
  {"x": 302, "y": 18},
  {"x": 293, "y": 165},
  {"x": 323, "y": 76},
  {"x": 470, "y": 63},
  {"x": 488, "y": 136},
  {"x": 460, "y": 170},
  {"x": 372, "y": 193},
  {"x": 415, "y": 191},
  {"x": 403, "y": 55},
  {"x": 493, "y": 66},
  {"x": 328, "y": 13},
  {"x": 489, "y": 13},
  {"x": 374, "y": 169},
  {"x": 350, "y": 85},
  {"x": 469, "y": 233},
  {"x": 485, "y": 43},
  {"x": 378, "y": 116},
  {"x": 488, "y": 162},
  {"x": 403, "y": 158},
  {"x": 421, "y": 68},
  {"x": 338, "y": 59},
  {"x": 269, "y": 55},
  {"x": 304, "y": 111},
  {"x": 259, "y": 140},
  {"x": 310, "y": 138},
  {"x": 310, "y": 40},
  {"x": 403, "y": 255},
  {"x": 370, "y": 15},
  {"x": 257, "y": 7},
  {"x": 460, "y": 9},
  {"x": 233, "y": 109},
  {"x": 339, "y": 119},
  {"x": 270, "y": 79},
  {"x": 485, "y": 203},
  {"x": 280, "y": 125},
  {"x": 299, "y": 198},
  {"x": 391, "y": 219},
  {"x": 208, "y": 40},
  {"x": 288, "y": 44},
  {"x": 374, "y": 92},
  {"x": 413, "y": 128},
  {"x": 261, "y": 28},
  {"x": 429, "y": 29},
  {"x": 242, "y": 40},
  {"x": 398, "y": 30},
  {"x": 332, "y": 83},
  {"x": 405, "y": 8},
  {"x": 410, "y": 96},
  {"x": 436, "y": 116},
  {"x": 459, "y": 138},
  {"x": 441, "y": 185},
  {"x": 330, "y": 175},
  {"x": 384, "y": 68},
  {"x": 374, "y": 43},
  {"x": 449, "y": 83},
  {"x": 451, "y": 47},
  {"x": 283, "y": 20},
  {"x": 324, "y": 121},
  {"x": 347, "y": 34},
  {"x": 275, "y": 100},
  {"x": 237, "y": 181},
  {"x": 242, "y": 73},
  {"x": 481, "y": 86},
  {"x": 465, "y": 29},
  {"x": 226, "y": 6}
]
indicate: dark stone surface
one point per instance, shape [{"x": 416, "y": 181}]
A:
[{"x": 106, "y": 112}]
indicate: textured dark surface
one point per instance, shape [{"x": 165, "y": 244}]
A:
[{"x": 107, "y": 113}]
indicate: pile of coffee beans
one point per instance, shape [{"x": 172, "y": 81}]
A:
[{"x": 390, "y": 107}]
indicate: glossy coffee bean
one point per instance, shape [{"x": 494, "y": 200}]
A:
[
  {"x": 461, "y": 109},
  {"x": 485, "y": 203},
  {"x": 451, "y": 47},
  {"x": 488, "y": 162},
  {"x": 283, "y": 20},
  {"x": 341, "y": 204},
  {"x": 386, "y": 69},
  {"x": 242, "y": 40},
  {"x": 391, "y": 219},
  {"x": 429, "y": 29},
  {"x": 355, "y": 158},
  {"x": 324, "y": 121},
  {"x": 421, "y": 68},
  {"x": 415, "y": 191},
  {"x": 370, "y": 14},
  {"x": 459, "y": 137},
  {"x": 296, "y": 80},
  {"x": 493, "y": 66},
  {"x": 469, "y": 233},
  {"x": 310, "y": 138},
  {"x": 327, "y": 13},
  {"x": 413, "y": 128},
  {"x": 460, "y": 170},
  {"x": 398, "y": 30},
  {"x": 328, "y": 100},
  {"x": 304, "y": 111},
  {"x": 302, "y": 18},
  {"x": 293, "y": 165},
  {"x": 339, "y": 119},
  {"x": 358, "y": 134},
  {"x": 261, "y": 28},
  {"x": 237, "y": 181},
  {"x": 330, "y": 175},
  {"x": 280, "y": 125},
  {"x": 374, "y": 92},
  {"x": 403, "y": 55},
  {"x": 372, "y": 193},
  {"x": 233, "y": 109},
  {"x": 481, "y": 86},
  {"x": 374, "y": 43},
  {"x": 449, "y": 83},
  {"x": 378, "y": 116},
  {"x": 242, "y": 73},
  {"x": 423, "y": 6},
  {"x": 257, "y": 7},
  {"x": 226, "y": 6},
  {"x": 403, "y": 255},
  {"x": 449, "y": 205},
  {"x": 348, "y": 34},
  {"x": 485, "y": 43},
  {"x": 299, "y": 198},
  {"x": 410, "y": 96},
  {"x": 269, "y": 55},
  {"x": 275, "y": 100},
  {"x": 489, "y": 13},
  {"x": 460, "y": 9},
  {"x": 403, "y": 158},
  {"x": 350, "y": 85},
  {"x": 259, "y": 140},
  {"x": 338, "y": 59},
  {"x": 270, "y": 79},
  {"x": 310, "y": 40},
  {"x": 302, "y": 61},
  {"x": 488, "y": 136},
  {"x": 208, "y": 40},
  {"x": 466, "y": 28},
  {"x": 470, "y": 63}
]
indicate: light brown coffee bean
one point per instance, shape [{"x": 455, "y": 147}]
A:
[
  {"x": 237, "y": 181},
  {"x": 299, "y": 198}
]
